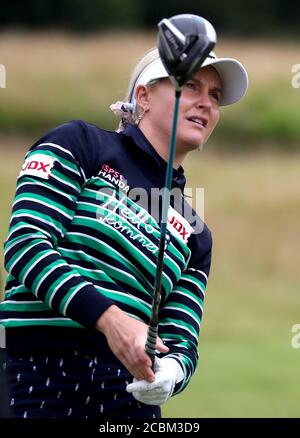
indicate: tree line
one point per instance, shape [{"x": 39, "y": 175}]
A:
[{"x": 248, "y": 17}]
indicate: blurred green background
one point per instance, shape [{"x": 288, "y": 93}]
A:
[{"x": 68, "y": 60}]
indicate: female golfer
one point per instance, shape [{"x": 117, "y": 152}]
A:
[{"x": 82, "y": 249}]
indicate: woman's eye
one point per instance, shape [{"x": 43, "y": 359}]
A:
[
  {"x": 216, "y": 97},
  {"x": 190, "y": 85}
]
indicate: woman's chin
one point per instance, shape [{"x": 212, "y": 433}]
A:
[{"x": 192, "y": 144}]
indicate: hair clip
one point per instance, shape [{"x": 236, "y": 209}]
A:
[{"x": 122, "y": 109}]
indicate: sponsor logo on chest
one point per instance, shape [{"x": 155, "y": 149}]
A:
[{"x": 114, "y": 176}]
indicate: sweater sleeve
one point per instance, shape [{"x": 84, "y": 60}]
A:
[
  {"x": 181, "y": 314},
  {"x": 52, "y": 175}
]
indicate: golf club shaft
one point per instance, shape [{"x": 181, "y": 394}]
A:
[{"x": 153, "y": 324}]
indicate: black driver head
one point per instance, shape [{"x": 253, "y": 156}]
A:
[{"x": 184, "y": 42}]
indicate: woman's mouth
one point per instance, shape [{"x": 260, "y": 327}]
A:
[{"x": 198, "y": 120}]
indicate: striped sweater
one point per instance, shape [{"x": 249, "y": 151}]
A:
[{"x": 84, "y": 235}]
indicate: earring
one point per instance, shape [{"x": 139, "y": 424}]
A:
[
  {"x": 140, "y": 116},
  {"x": 200, "y": 147}
]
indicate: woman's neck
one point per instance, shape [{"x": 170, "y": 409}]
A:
[{"x": 162, "y": 145}]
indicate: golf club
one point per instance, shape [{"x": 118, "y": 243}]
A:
[{"x": 184, "y": 42}]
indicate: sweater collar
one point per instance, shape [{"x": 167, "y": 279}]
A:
[{"x": 143, "y": 143}]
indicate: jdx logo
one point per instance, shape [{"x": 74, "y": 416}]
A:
[
  {"x": 178, "y": 225},
  {"x": 296, "y": 338},
  {"x": 2, "y": 76},
  {"x": 38, "y": 165}
]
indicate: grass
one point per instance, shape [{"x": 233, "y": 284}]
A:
[
  {"x": 55, "y": 77},
  {"x": 248, "y": 367},
  {"x": 241, "y": 378}
]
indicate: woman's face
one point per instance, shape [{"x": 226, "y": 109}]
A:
[{"x": 198, "y": 110}]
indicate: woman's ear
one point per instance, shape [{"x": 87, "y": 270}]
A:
[{"x": 142, "y": 97}]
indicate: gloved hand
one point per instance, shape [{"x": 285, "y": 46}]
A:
[{"x": 168, "y": 372}]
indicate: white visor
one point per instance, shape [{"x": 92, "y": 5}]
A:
[{"x": 234, "y": 77}]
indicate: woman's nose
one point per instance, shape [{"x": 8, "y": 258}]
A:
[{"x": 204, "y": 100}]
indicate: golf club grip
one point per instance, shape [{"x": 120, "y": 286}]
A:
[{"x": 151, "y": 341}]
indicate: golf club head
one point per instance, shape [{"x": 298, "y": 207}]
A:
[{"x": 184, "y": 42}]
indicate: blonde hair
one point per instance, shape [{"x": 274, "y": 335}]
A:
[{"x": 150, "y": 56}]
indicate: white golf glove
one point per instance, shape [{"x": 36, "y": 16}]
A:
[{"x": 168, "y": 372}]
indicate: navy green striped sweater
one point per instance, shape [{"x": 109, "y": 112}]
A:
[{"x": 83, "y": 237}]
